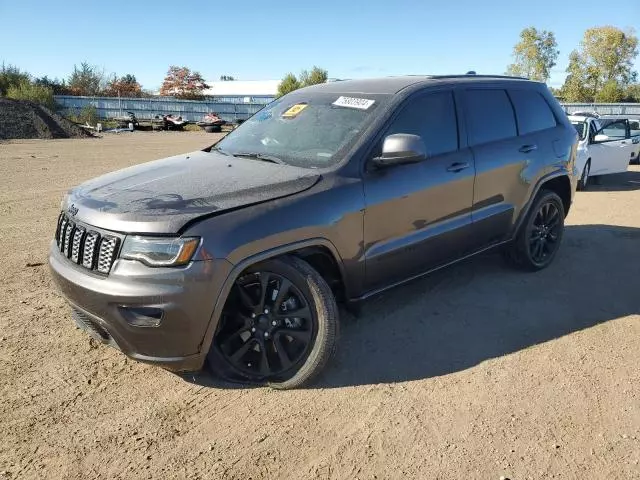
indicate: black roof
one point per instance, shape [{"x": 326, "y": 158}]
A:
[{"x": 395, "y": 84}]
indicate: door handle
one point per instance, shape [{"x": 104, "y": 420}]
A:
[
  {"x": 528, "y": 148},
  {"x": 457, "y": 167}
]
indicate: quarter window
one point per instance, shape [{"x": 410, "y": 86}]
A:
[
  {"x": 433, "y": 117},
  {"x": 532, "y": 111},
  {"x": 489, "y": 116}
]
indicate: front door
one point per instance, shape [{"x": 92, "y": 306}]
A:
[
  {"x": 418, "y": 215},
  {"x": 613, "y": 154}
]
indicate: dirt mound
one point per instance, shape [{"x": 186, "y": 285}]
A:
[{"x": 23, "y": 119}]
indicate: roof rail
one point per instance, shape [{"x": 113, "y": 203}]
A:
[{"x": 475, "y": 75}]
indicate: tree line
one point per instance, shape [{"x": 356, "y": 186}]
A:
[
  {"x": 90, "y": 80},
  {"x": 600, "y": 69}
]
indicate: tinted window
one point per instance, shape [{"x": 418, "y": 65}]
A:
[
  {"x": 532, "y": 111},
  {"x": 433, "y": 117},
  {"x": 489, "y": 116}
]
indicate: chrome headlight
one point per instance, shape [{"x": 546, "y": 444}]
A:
[{"x": 160, "y": 251}]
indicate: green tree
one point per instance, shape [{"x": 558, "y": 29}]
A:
[
  {"x": 632, "y": 93},
  {"x": 59, "y": 87},
  {"x": 611, "y": 92},
  {"x": 315, "y": 76},
  {"x": 602, "y": 68},
  {"x": 574, "y": 89},
  {"x": 11, "y": 76},
  {"x": 534, "y": 55},
  {"x": 288, "y": 84},
  {"x": 32, "y": 92},
  {"x": 86, "y": 80}
]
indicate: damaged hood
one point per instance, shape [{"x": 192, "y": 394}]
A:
[{"x": 162, "y": 196}]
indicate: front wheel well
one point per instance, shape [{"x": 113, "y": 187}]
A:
[
  {"x": 562, "y": 187},
  {"x": 323, "y": 261}
]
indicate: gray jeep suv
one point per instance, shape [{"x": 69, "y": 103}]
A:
[{"x": 237, "y": 254}]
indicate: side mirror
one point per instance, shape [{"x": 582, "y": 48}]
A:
[
  {"x": 401, "y": 148},
  {"x": 600, "y": 138}
]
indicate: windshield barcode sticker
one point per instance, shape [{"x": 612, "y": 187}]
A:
[{"x": 351, "y": 102}]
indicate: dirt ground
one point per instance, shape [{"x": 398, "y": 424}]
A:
[{"x": 475, "y": 372}]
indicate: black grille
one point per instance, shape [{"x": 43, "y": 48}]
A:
[{"x": 86, "y": 247}]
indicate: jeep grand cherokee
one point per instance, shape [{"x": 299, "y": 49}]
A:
[{"x": 236, "y": 254}]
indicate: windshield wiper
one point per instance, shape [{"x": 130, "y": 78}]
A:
[
  {"x": 259, "y": 156},
  {"x": 219, "y": 150}
]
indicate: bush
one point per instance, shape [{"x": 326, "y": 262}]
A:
[
  {"x": 11, "y": 76},
  {"x": 34, "y": 93},
  {"x": 88, "y": 114}
]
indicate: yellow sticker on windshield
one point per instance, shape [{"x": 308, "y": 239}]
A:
[{"x": 294, "y": 111}]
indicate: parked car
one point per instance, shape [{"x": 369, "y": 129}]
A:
[
  {"x": 605, "y": 146},
  {"x": 634, "y": 133},
  {"x": 238, "y": 253}
]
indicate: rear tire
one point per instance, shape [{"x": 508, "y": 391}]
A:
[
  {"x": 279, "y": 326},
  {"x": 538, "y": 239}
]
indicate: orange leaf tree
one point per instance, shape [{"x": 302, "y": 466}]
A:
[
  {"x": 181, "y": 82},
  {"x": 126, "y": 86}
]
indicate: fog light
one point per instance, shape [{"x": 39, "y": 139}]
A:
[{"x": 142, "y": 316}]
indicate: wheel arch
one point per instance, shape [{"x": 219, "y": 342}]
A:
[
  {"x": 558, "y": 182},
  {"x": 320, "y": 253}
]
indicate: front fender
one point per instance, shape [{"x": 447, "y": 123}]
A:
[{"x": 239, "y": 267}]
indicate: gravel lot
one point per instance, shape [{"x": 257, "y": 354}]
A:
[{"x": 475, "y": 372}]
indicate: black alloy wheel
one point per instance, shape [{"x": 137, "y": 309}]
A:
[
  {"x": 545, "y": 233},
  {"x": 539, "y": 237},
  {"x": 279, "y": 325}
]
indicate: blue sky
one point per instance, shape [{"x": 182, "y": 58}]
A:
[{"x": 260, "y": 40}]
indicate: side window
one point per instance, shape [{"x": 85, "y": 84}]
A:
[
  {"x": 634, "y": 128},
  {"x": 615, "y": 130},
  {"x": 433, "y": 117},
  {"x": 532, "y": 111},
  {"x": 489, "y": 116}
]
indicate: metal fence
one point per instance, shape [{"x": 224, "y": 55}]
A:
[
  {"x": 229, "y": 108},
  {"x": 623, "y": 109}
]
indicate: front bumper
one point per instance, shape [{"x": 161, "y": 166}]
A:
[{"x": 186, "y": 296}]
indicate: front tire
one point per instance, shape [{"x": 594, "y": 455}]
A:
[
  {"x": 279, "y": 326},
  {"x": 538, "y": 239}
]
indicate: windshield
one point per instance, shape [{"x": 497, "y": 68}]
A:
[
  {"x": 581, "y": 128},
  {"x": 305, "y": 129}
]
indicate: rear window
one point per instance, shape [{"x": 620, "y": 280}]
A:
[
  {"x": 532, "y": 111},
  {"x": 489, "y": 116}
]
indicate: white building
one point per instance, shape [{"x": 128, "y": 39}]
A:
[{"x": 242, "y": 88}]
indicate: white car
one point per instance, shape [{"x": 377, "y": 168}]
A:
[{"x": 606, "y": 145}]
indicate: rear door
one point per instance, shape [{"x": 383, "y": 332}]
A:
[
  {"x": 507, "y": 131},
  {"x": 613, "y": 154}
]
